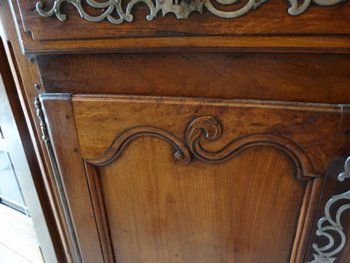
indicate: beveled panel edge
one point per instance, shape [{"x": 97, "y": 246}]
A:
[
  {"x": 272, "y": 104},
  {"x": 207, "y": 128},
  {"x": 45, "y": 136},
  {"x": 121, "y": 142},
  {"x": 57, "y": 112},
  {"x": 270, "y": 44}
]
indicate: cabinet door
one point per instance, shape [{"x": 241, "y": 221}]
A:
[{"x": 163, "y": 180}]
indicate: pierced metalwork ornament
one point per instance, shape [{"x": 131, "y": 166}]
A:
[
  {"x": 112, "y": 11},
  {"x": 329, "y": 225}
]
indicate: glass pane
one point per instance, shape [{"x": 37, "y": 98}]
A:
[{"x": 10, "y": 193}]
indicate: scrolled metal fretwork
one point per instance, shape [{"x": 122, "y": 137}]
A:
[
  {"x": 297, "y": 9},
  {"x": 112, "y": 10},
  {"x": 330, "y": 225}
]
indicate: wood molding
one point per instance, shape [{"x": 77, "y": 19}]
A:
[
  {"x": 120, "y": 143},
  {"x": 201, "y": 129},
  {"x": 74, "y": 188},
  {"x": 283, "y": 44}
]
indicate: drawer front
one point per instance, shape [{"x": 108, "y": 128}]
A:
[
  {"x": 189, "y": 180},
  {"x": 272, "y": 17},
  {"x": 109, "y": 23}
]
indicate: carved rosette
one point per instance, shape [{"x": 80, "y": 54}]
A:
[
  {"x": 330, "y": 224},
  {"x": 112, "y": 10}
]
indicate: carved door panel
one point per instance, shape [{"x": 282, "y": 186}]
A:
[{"x": 162, "y": 180}]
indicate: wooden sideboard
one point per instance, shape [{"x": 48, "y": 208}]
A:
[{"x": 188, "y": 131}]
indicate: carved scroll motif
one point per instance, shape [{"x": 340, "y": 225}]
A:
[
  {"x": 120, "y": 143},
  {"x": 198, "y": 133},
  {"x": 330, "y": 225},
  {"x": 112, "y": 10},
  {"x": 207, "y": 128}
]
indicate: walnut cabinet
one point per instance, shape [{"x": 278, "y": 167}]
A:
[
  {"x": 155, "y": 179},
  {"x": 207, "y": 135}
]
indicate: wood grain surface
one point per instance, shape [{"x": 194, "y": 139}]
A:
[
  {"x": 58, "y": 112},
  {"x": 244, "y": 210},
  {"x": 270, "y": 18},
  {"x": 273, "y": 76},
  {"x": 256, "y": 202},
  {"x": 268, "y": 28}
]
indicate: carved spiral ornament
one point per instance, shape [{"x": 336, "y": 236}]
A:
[
  {"x": 201, "y": 131},
  {"x": 330, "y": 225},
  {"x": 113, "y": 11}
]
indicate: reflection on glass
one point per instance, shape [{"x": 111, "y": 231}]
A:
[{"x": 10, "y": 192}]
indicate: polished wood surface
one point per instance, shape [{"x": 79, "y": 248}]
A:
[
  {"x": 297, "y": 122},
  {"x": 285, "y": 44},
  {"x": 142, "y": 181},
  {"x": 333, "y": 186},
  {"x": 271, "y": 18},
  {"x": 270, "y": 76},
  {"x": 72, "y": 174},
  {"x": 195, "y": 211},
  {"x": 201, "y": 213}
]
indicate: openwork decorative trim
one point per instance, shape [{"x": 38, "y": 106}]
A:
[
  {"x": 329, "y": 225},
  {"x": 112, "y": 10},
  {"x": 199, "y": 132}
]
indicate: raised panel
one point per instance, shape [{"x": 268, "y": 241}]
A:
[
  {"x": 196, "y": 180},
  {"x": 100, "y": 119},
  {"x": 242, "y": 210}
]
